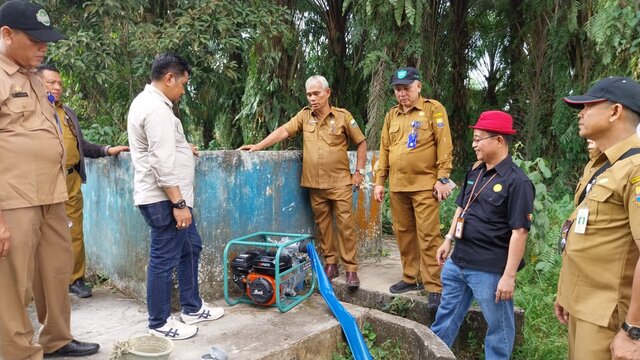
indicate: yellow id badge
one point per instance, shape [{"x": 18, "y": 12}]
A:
[
  {"x": 459, "y": 228},
  {"x": 581, "y": 221}
]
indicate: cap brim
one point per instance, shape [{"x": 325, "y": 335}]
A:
[
  {"x": 47, "y": 35},
  {"x": 402, "y": 82},
  {"x": 501, "y": 132},
  {"x": 578, "y": 101}
]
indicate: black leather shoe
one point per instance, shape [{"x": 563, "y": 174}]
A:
[
  {"x": 75, "y": 349},
  {"x": 433, "y": 301},
  {"x": 403, "y": 286},
  {"x": 80, "y": 289}
]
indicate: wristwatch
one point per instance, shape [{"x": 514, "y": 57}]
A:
[
  {"x": 632, "y": 331},
  {"x": 444, "y": 180},
  {"x": 361, "y": 171},
  {"x": 180, "y": 204}
]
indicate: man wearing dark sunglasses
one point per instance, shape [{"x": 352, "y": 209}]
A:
[{"x": 599, "y": 285}]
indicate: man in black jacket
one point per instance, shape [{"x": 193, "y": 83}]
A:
[{"x": 77, "y": 149}]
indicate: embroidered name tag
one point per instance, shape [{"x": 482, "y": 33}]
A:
[{"x": 19, "y": 94}]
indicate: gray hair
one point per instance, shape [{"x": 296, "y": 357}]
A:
[{"x": 317, "y": 78}]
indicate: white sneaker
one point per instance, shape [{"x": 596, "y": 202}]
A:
[
  {"x": 206, "y": 313},
  {"x": 175, "y": 330}
]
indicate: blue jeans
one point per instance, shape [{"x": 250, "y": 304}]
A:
[
  {"x": 459, "y": 287},
  {"x": 170, "y": 249}
]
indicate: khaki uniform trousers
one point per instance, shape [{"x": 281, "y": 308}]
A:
[
  {"x": 591, "y": 341},
  {"x": 325, "y": 204},
  {"x": 73, "y": 208},
  {"x": 416, "y": 224},
  {"x": 37, "y": 266}
]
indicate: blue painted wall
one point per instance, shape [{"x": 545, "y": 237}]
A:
[{"x": 237, "y": 193}]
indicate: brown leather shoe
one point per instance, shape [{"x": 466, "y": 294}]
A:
[
  {"x": 331, "y": 270},
  {"x": 352, "y": 280}
]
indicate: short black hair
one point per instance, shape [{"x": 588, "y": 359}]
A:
[
  {"x": 169, "y": 62},
  {"x": 50, "y": 67},
  {"x": 507, "y": 138}
]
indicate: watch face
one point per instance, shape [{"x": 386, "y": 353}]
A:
[{"x": 634, "y": 333}]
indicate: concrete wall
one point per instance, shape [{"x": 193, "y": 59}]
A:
[{"x": 237, "y": 193}]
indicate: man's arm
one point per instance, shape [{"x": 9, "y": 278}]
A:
[
  {"x": 445, "y": 249},
  {"x": 622, "y": 346},
  {"x": 5, "y": 237},
  {"x": 275, "y": 137},
  {"x": 507, "y": 283},
  {"x": 382, "y": 171},
  {"x": 444, "y": 150},
  {"x": 361, "y": 158}
]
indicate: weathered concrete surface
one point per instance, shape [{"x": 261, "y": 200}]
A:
[
  {"x": 377, "y": 274},
  {"x": 237, "y": 193},
  {"x": 307, "y": 332}
]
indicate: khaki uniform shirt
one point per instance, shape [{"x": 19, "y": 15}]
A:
[
  {"x": 598, "y": 266},
  {"x": 70, "y": 138},
  {"x": 419, "y": 168},
  {"x": 31, "y": 147},
  {"x": 325, "y": 163}
]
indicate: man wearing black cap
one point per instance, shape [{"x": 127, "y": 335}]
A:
[
  {"x": 35, "y": 244},
  {"x": 491, "y": 224},
  {"x": 416, "y": 157},
  {"x": 599, "y": 283}
]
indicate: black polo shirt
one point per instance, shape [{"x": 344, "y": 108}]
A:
[{"x": 505, "y": 204}]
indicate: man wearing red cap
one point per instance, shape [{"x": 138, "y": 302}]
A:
[
  {"x": 491, "y": 225},
  {"x": 599, "y": 284},
  {"x": 416, "y": 157},
  {"x": 35, "y": 243}
]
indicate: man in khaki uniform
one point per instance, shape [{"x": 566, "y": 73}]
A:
[
  {"x": 599, "y": 284},
  {"x": 76, "y": 149},
  {"x": 416, "y": 156},
  {"x": 35, "y": 244},
  {"x": 327, "y": 132}
]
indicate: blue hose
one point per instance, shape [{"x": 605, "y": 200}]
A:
[{"x": 349, "y": 326}]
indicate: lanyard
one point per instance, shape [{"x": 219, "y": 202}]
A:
[{"x": 475, "y": 196}]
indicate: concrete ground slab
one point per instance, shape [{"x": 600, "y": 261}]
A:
[{"x": 244, "y": 332}]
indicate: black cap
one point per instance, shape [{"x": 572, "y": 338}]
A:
[
  {"x": 405, "y": 76},
  {"x": 622, "y": 90},
  {"x": 30, "y": 18}
]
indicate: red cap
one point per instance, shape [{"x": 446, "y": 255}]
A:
[{"x": 495, "y": 121}]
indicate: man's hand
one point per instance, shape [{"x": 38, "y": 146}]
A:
[
  {"x": 356, "y": 179},
  {"x": 115, "y": 150},
  {"x": 561, "y": 313},
  {"x": 441, "y": 191},
  {"x": 194, "y": 150},
  {"x": 378, "y": 193},
  {"x": 249, "y": 148},
  {"x": 443, "y": 252},
  {"x": 183, "y": 218},
  {"x": 5, "y": 240},
  {"x": 506, "y": 287},
  {"x": 623, "y": 348}
]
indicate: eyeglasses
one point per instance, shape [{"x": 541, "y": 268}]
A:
[
  {"x": 564, "y": 231},
  {"x": 478, "y": 139}
]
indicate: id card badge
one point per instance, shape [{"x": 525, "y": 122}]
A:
[
  {"x": 581, "y": 221},
  {"x": 412, "y": 140},
  {"x": 459, "y": 228}
]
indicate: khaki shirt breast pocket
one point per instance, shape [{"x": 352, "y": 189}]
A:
[
  {"x": 395, "y": 135},
  {"x": 334, "y": 136},
  {"x": 22, "y": 113},
  {"x": 602, "y": 202},
  {"x": 309, "y": 131}
]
